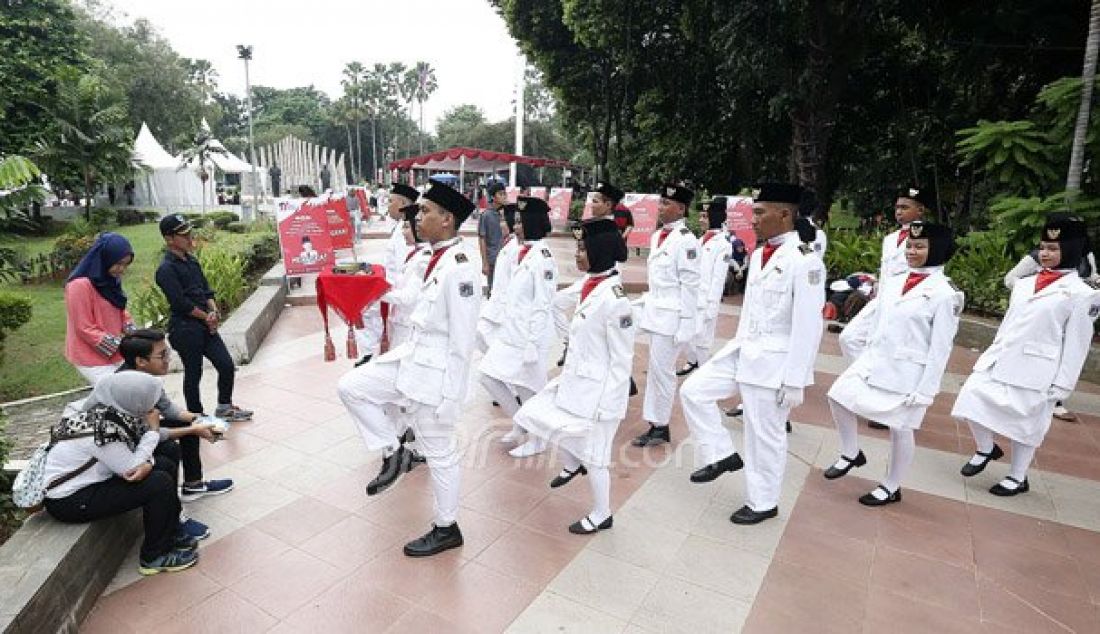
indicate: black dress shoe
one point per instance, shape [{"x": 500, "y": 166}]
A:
[
  {"x": 974, "y": 469},
  {"x": 408, "y": 436},
  {"x": 655, "y": 436},
  {"x": 877, "y": 425},
  {"x": 435, "y": 541},
  {"x": 834, "y": 328},
  {"x": 788, "y": 427},
  {"x": 712, "y": 471},
  {"x": 586, "y": 527},
  {"x": 687, "y": 369},
  {"x": 633, "y": 388},
  {"x": 1005, "y": 492},
  {"x": 564, "y": 353},
  {"x": 832, "y": 473},
  {"x": 393, "y": 466},
  {"x": 365, "y": 359},
  {"x": 745, "y": 515},
  {"x": 496, "y": 404},
  {"x": 736, "y": 411},
  {"x": 560, "y": 480},
  {"x": 870, "y": 500}
]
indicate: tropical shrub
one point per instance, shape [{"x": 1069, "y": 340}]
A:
[
  {"x": 221, "y": 219},
  {"x": 149, "y": 306},
  {"x": 225, "y": 272},
  {"x": 978, "y": 269},
  {"x": 15, "y": 311},
  {"x": 851, "y": 251}
]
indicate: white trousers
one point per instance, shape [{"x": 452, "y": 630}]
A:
[
  {"x": 660, "y": 383},
  {"x": 93, "y": 373},
  {"x": 698, "y": 349},
  {"x": 371, "y": 396},
  {"x": 369, "y": 338},
  {"x": 505, "y": 394},
  {"x": 765, "y": 427},
  {"x": 562, "y": 307}
]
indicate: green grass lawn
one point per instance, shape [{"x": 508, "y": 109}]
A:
[{"x": 34, "y": 361}]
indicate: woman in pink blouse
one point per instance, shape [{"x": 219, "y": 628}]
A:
[{"x": 95, "y": 306}]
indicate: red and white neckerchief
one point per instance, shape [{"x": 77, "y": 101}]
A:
[
  {"x": 769, "y": 250},
  {"x": 592, "y": 282},
  {"x": 435, "y": 259},
  {"x": 412, "y": 253},
  {"x": 523, "y": 252},
  {"x": 1045, "y": 278},
  {"x": 902, "y": 235},
  {"x": 913, "y": 280},
  {"x": 710, "y": 234},
  {"x": 664, "y": 234}
]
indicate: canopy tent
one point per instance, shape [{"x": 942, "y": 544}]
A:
[
  {"x": 471, "y": 160},
  {"x": 229, "y": 163},
  {"x": 161, "y": 182}
]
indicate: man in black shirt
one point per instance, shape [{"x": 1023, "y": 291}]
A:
[{"x": 193, "y": 325}]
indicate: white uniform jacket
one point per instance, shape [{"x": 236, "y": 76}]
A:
[
  {"x": 910, "y": 336},
  {"x": 435, "y": 361},
  {"x": 595, "y": 381},
  {"x": 402, "y": 297},
  {"x": 780, "y": 326},
  {"x": 820, "y": 243},
  {"x": 396, "y": 250},
  {"x": 518, "y": 352},
  {"x": 893, "y": 257},
  {"x": 1044, "y": 337},
  {"x": 492, "y": 310},
  {"x": 673, "y": 276},
  {"x": 714, "y": 264}
]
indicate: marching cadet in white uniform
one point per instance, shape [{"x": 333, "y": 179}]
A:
[
  {"x": 714, "y": 262},
  {"x": 492, "y": 311},
  {"x": 668, "y": 308},
  {"x": 403, "y": 295},
  {"x": 516, "y": 362},
  {"x": 581, "y": 409},
  {"x": 428, "y": 374},
  {"x": 894, "y": 380},
  {"x": 1035, "y": 359},
  {"x": 606, "y": 197},
  {"x": 911, "y": 204},
  {"x": 769, "y": 361}
]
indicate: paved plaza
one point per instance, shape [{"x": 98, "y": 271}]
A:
[{"x": 299, "y": 547}]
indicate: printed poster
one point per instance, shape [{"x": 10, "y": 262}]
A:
[
  {"x": 560, "y": 200},
  {"x": 739, "y": 220},
  {"x": 513, "y": 193},
  {"x": 304, "y": 237},
  {"x": 537, "y": 192},
  {"x": 644, "y": 209}
]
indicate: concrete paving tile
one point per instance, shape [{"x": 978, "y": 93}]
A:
[
  {"x": 604, "y": 583},
  {"x": 678, "y": 606},
  {"x": 551, "y": 613}
]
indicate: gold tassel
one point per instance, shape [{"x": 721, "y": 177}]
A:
[
  {"x": 330, "y": 349},
  {"x": 353, "y": 347}
]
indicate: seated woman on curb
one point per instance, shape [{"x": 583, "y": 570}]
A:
[{"x": 106, "y": 462}]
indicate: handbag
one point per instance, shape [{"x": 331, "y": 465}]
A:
[{"x": 30, "y": 486}]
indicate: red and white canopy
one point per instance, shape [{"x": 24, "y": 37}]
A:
[{"x": 471, "y": 160}]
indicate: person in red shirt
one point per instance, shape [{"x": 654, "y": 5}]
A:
[{"x": 95, "y": 308}]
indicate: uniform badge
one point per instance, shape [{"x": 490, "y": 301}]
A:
[
  {"x": 461, "y": 258},
  {"x": 670, "y": 192},
  {"x": 691, "y": 254},
  {"x": 913, "y": 192},
  {"x": 1094, "y": 311},
  {"x": 466, "y": 289},
  {"x": 546, "y": 252},
  {"x": 1053, "y": 233},
  {"x": 521, "y": 205},
  {"x": 916, "y": 229},
  {"x": 626, "y": 321},
  {"x": 805, "y": 249},
  {"x": 814, "y": 277},
  {"x": 619, "y": 292},
  {"x": 549, "y": 275}
]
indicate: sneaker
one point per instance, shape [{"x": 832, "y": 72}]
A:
[
  {"x": 232, "y": 413},
  {"x": 192, "y": 492},
  {"x": 172, "y": 561},
  {"x": 182, "y": 541},
  {"x": 194, "y": 528}
]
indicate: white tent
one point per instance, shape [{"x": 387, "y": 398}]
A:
[
  {"x": 160, "y": 182},
  {"x": 229, "y": 163}
]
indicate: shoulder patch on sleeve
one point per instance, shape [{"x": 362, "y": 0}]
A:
[
  {"x": 691, "y": 254},
  {"x": 805, "y": 249},
  {"x": 466, "y": 289},
  {"x": 461, "y": 258},
  {"x": 626, "y": 321},
  {"x": 548, "y": 274},
  {"x": 546, "y": 252},
  {"x": 619, "y": 292}
]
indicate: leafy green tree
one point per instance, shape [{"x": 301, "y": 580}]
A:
[
  {"x": 199, "y": 156},
  {"x": 1017, "y": 155},
  {"x": 454, "y": 126},
  {"x": 355, "y": 75},
  {"x": 426, "y": 84},
  {"x": 88, "y": 141}
]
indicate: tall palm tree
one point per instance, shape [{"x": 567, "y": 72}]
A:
[
  {"x": 203, "y": 75},
  {"x": 89, "y": 138},
  {"x": 200, "y": 155},
  {"x": 426, "y": 84},
  {"x": 354, "y": 75},
  {"x": 1088, "y": 78},
  {"x": 343, "y": 114}
]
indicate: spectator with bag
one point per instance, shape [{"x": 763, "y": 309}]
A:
[{"x": 105, "y": 461}]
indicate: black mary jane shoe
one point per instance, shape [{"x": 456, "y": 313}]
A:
[
  {"x": 633, "y": 388},
  {"x": 710, "y": 472},
  {"x": 734, "y": 412},
  {"x": 789, "y": 430},
  {"x": 877, "y": 425},
  {"x": 435, "y": 541},
  {"x": 393, "y": 466},
  {"x": 585, "y": 526},
  {"x": 364, "y": 360},
  {"x": 654, "y": 436},
  {"x": 746, "y": 515},
  {"x": 974, "y": 469},
  {"x": 832, "y": 473},
  {"x": 564, "y": 353},
  {"x": 562, "y": 480},
  {"x": 1005, "y": 492},
  {"x": 687, "y": 369},
  {"x": 869, "y": 499}
]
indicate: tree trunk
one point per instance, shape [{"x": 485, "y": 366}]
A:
[
  {"x": 1088, "y": 77},
  {"x": 87, "y": 194},
  {"x": 358, "y": 152},
  {"x": 351, "y": 153},
  {"x": 373, "y": 148},
  {"x": 420, "y": 130}
]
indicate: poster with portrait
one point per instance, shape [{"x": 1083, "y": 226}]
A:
[
  {"x": 560, "y": 200},
  {"x": 304, "y": 237},
  {"x": 739, "y": 220},
  {"x": 644, "y": 209}
]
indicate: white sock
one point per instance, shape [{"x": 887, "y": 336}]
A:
[
  {"x": 599, "y": 480},
  {"x": 569, "y": 462},
  {"x": 1022, "y": 455},
  {"x": 846, "y": 426},
  {"x": 983, "y": 438},
  {"x": 879, "y": 494},
  {"x": 902, "y": 448}
]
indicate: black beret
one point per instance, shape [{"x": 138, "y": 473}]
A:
[
  {"x": 679, "y": 193},
  {"x": 1063, "y": 228},
  {"x": 596, "y": 226},
  {"x": 410, "y": 212},
  {"x": 923, "y": 195},
  {"x": 610, "y": 191},
  {"x": 451, "y": 200},
  {"x": 716, "y": 212},
  {"x": 941, "y": 241},
  {"x": 532, "y": 205},
  {"x": 779, "y": 193},
  {"x": 400, "y": 189}
]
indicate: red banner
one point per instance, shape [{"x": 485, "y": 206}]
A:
[
  {"x": 339, "y": 222},
  {"x": 560, "y": 200},
  {"x": 739, "y": 220},
  {"x": 537, "y": 192},
  {"x": 363, "y": 196},
  {"x": 644, "y": 209},
  {"x": 304, "y": 238}
]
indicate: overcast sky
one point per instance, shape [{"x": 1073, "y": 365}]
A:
[{"x": 303, "y": 42}]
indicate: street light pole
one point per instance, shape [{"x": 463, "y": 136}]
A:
[{"x": 245, "y": 53}]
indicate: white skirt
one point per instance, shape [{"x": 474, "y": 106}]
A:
[
  {"x": 1016, "y": 413},
  {"x": 590, "y": 440},
  {"x": 876, "y": 404}
]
